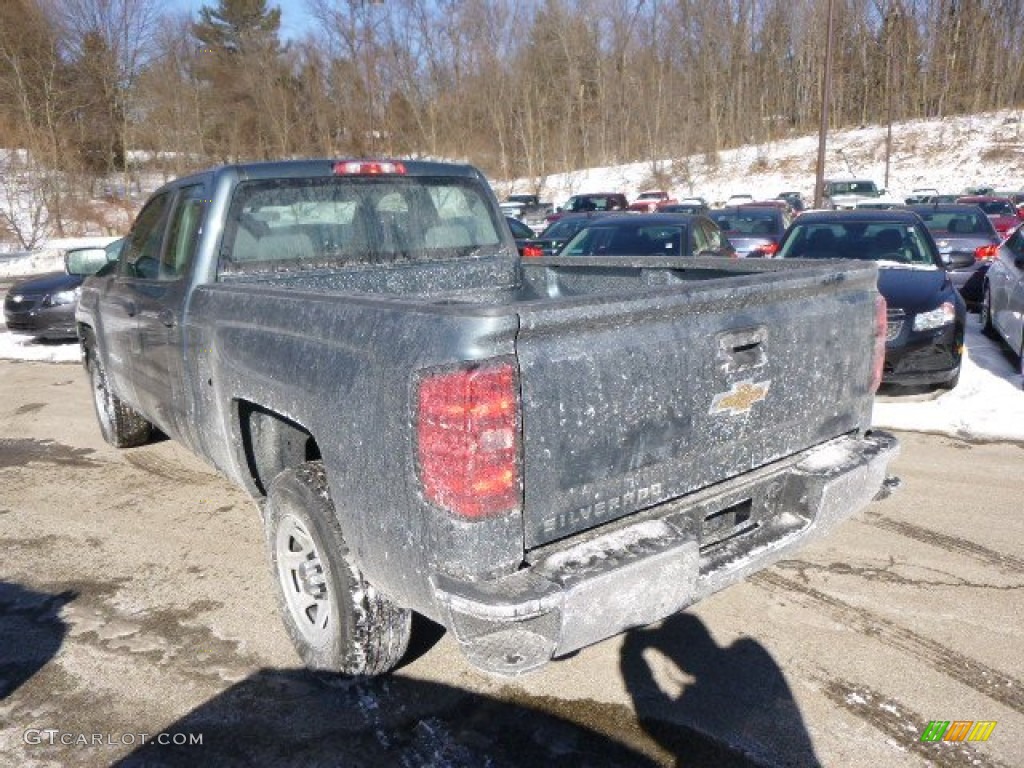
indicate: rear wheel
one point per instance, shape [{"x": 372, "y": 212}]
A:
[
  {"x": 986, "y": 314},
  {"x": 336, "y": 620},
  {"x": 1020, "y": 361},
  {"x": 121, "y": 425},
  {"x": 951, "y": 383}
]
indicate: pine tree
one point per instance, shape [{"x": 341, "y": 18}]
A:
[{"x": 239, "y": 27}]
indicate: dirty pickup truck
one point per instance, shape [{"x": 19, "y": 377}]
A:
[{"x": 535, "y": 455}]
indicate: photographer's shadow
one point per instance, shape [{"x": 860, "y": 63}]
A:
[
  {"x": 31, "y": 632},
  {"x": 712, "y": 705}
]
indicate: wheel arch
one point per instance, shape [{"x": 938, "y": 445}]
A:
[{"x": 272, "y": 443}]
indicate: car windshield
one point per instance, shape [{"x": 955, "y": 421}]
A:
[
  {"x": 852, "y": 188},
  {"x": 887, "y": 242},
  {"x": 593, "y": 203},
  {"x": 965, "y": 222},
  {"x": 624, "y": 238},
  {"x": 997, "y": 208},
  {"x": 748, "y": 223},
  {"x": 565, "y": 228}
]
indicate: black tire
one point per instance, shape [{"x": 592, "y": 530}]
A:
[
  {"x": 121, "y": 425},
  {"x": 336, "y": 620},
  {"x": 985, "y": 315},
  {"x": 1020, "y": 362},
  {"x": 951, "y": 383}
]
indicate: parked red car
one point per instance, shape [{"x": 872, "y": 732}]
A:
[
  {"x": 1000, "y": 210},
  {"x": 651, "y": 200}
]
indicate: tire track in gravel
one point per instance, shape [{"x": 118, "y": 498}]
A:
[
  {"x": 975, "y": 674},
  {"x": 949, "y": 543},
  {"x": 167, "y": 469},
  {"x": 903, "y": 726}
]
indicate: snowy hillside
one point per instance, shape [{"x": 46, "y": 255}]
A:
[{"x": 949, "y": 155}]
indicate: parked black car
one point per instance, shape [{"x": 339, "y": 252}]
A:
[
  {"x": 753, "y": 230},
  {"x": 522, "y": 234},
  {"x": 925, "y": 334},
  {"x": 594, "y": 202},
  {"x": 650, "y": 234},
  {"x": 795, "y": 200},
  {"x": 559, "y": 232},
  {"x": 1002, "y": 308},
  {"x": 691, "y": 207},
  {"x": 44, "y": 305},
  {"x": 962, "y": 228}
]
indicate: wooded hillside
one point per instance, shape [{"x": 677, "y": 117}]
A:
[{"x": 517, "y": 87}]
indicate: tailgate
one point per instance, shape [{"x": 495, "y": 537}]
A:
[{"x": 629, "y": 403}]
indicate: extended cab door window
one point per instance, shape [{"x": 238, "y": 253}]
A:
[
  {"x": 186, "y": 225},
  {"x": 141, "y": 256}
]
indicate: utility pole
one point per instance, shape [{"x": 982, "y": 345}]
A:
[
  {"x": 890, "y": 22},
  {"x": 826, "y": 98}
]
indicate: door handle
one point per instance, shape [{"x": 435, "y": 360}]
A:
[{"x": 166, "y": 317}]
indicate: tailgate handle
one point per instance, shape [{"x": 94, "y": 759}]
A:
[{"x": 739, "y": 350}]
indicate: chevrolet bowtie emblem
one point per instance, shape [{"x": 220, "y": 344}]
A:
[{"x": 740, "y": 398}]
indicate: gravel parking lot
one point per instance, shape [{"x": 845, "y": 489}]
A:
[{"x": 138, "y": 626}]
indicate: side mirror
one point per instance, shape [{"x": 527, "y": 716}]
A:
[{"x": 84, "y": 261}]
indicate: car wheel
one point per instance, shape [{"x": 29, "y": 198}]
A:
[
  {"x": 121, "y": 425},
  {"x": 986, "y": 315},
  {"x": 336, "y": 620},
  {"x": 1020, "y": 362},
  {"x": 951, "y": 383}
]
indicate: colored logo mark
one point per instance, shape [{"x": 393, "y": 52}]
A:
[{"x": 958, "y": 730}]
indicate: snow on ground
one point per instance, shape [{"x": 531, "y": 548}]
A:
[
  {"x": 16, "y": 346},
  {"x": 987, "y": 404}
]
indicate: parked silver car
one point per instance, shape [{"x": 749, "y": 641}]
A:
[{"x": 1002, "y": 306}]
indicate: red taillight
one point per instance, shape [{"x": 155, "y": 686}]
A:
[
  {"x": 467, "y": 429},
  {"x": 368, "y": 168},
  {"x": 881, "y": 329},
  {"x": 532, "y": 252},
  {"x": 985, "y": 252},
  {"x": 769, "y": 249}
]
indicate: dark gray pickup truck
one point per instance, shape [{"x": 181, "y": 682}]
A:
[{"x": 535, "y": 455}]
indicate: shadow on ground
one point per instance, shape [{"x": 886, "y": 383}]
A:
[
  {"x": 31, "y": 633},
  {"x": 299, "y": 718},
  {"x": 738, "y": 711},
  {"x": 707, "y": 704}
]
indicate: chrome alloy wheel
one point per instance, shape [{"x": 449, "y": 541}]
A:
[{"x": 303, "y": 581}]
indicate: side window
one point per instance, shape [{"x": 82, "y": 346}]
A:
[
  {"x": 141, "y": 256},
  {"x": 1016, "y": 242},
  {"x": 706, "y": 237},
  {"x": 186, "y": 224}
]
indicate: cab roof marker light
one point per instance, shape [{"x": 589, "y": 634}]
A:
[{"x": 368, "y": 168}]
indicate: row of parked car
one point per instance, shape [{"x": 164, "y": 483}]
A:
[{"x": 936, "y": 261}]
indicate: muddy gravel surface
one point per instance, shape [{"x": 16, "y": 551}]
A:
[{"x": 138, "y": 627}]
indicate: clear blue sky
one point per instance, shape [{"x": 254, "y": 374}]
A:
[{"x": 294, "y": 14}]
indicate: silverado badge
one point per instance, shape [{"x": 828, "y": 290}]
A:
[{"x": 740, "y": 398}]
